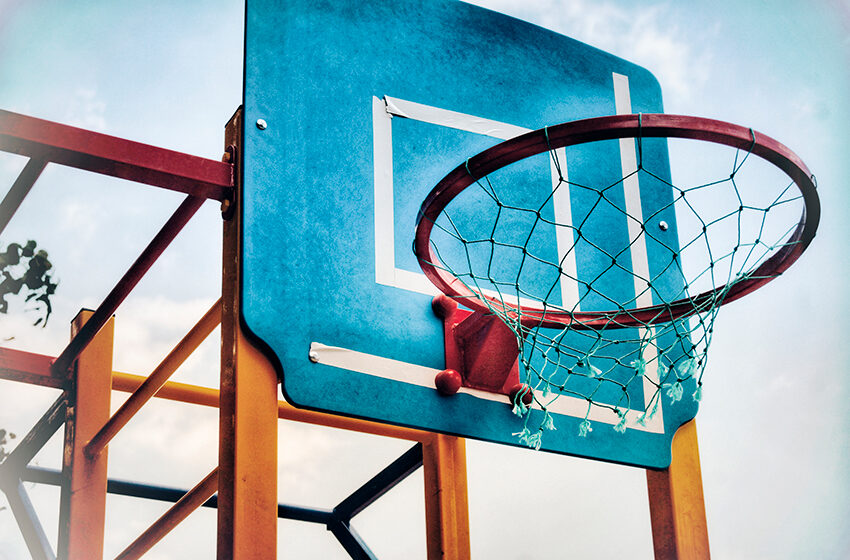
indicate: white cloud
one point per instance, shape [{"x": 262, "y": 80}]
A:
[
  {"x": 86, "y": 109},
  {"x": 642, "y": 33},
  {"x": 147, "y": 328}
]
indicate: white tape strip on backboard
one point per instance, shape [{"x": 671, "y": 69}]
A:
[{"x": 421, "y": 376}]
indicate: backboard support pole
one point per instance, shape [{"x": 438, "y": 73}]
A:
[
  {"x": 82, "y": 509},
  {"x": 247, "y": 492},
  {"x": 676, "y": 502},
  {"x": 446, "y": 501}
]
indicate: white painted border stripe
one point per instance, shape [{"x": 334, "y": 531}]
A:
[
  {"x": 631, "y": 188},
  {"x": 382, "y": 146},
  {"x": 404, "y": 372},
  {"x": 564, "y": 237},
  {"x": 640, "y": 258},
  {"x": 452, "y": 119}
]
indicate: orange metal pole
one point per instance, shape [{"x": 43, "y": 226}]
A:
[
  {"x": 446, "y": 500},
  {"x": 247, "y": 497},
  {"x": 83, "y": 495},
  {"x": 205, "y": 396},
  {"x": 157, "y": 378},
  {"x": 676, "y": 502},
  {"x": 171, "y": 390},
  {"x": 192, "y": 500}
]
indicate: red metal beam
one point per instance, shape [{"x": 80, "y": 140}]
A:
[
  {"x": 117, "y": 157},
  {"x": 27, "y": 367}
]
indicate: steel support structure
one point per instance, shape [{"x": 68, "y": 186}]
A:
[
  {"x": 437, "y": 454},
  {"x": 116, "y": 157},
  {"x": 155, "y": 380},
  {"x": 122, "y": 289},
  {"x": 25, "y": 515},
  {"x": 446, "y": 502},
  {"x": 340, "y": 519}
]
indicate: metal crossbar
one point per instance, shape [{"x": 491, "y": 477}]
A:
[
  {"x": 182, "y": 508},
  {"x": 38, "y": 436},
  {"x": 336, "y": 520},
  {"x": 200, "y": 178},
  {"x": 116, "y": 157},
  {"x": 380, "y": 484},
  {"x": 366, "y": 495}
]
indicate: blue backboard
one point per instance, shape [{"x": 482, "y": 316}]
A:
[{"x": 366, "y": 108}]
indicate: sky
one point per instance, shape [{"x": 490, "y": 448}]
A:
[{"x": 773, "y": 433}]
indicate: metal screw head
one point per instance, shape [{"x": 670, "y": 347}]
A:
[
  {"x": 662, "y": 225},
  {"x": 261, "y": 124},
  {"x": 314, "y": 357}
]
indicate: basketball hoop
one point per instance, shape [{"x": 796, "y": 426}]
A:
[{"x": 670, "y": 327}]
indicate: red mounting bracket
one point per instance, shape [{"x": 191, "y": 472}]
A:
[{"x": 481, "y": 352}]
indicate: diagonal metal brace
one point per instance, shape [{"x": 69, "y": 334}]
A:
[
  {"x": 32, "y": 443},
  {"x": 363, "y": 497},
  {"x": 350, "y": 540},
  {"x": 20, "y": 189},
  {"x": 380, "y": 484}
]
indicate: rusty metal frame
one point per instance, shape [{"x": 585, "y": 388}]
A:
[
  {"x": 247, "y": 458},
  {"x": 82, "y": 499},
  {"x": 84, "y": 368}
]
